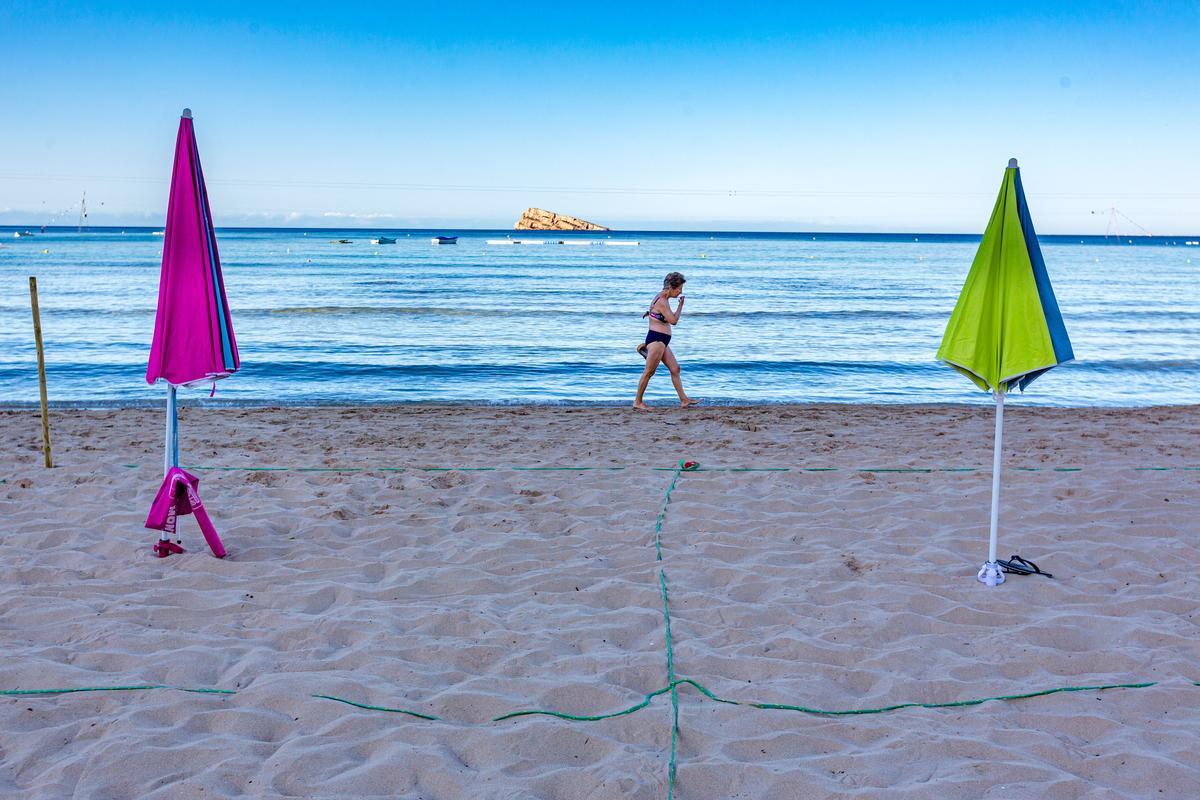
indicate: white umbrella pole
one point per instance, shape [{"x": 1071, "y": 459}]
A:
[
  {"x": 171, "y": 445},
  {"x": 990, "y": 573}
]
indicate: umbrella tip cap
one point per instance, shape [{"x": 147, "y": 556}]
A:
[
  {"x": 1012, "y": 163},
  {"x": 187, "y": 114}
]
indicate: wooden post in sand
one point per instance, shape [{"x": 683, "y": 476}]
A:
[{"x": 37, "y": 335}]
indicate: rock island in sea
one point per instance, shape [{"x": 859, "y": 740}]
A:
[{"x": 538, "y": 219}]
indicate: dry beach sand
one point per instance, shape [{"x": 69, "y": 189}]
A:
[{"x": 468, "y": 594}]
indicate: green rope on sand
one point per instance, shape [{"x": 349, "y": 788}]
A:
[
  {"x": 623, "y": 712},
  {"x": 416, "y": 714},
  {"x": 898, "y": 706},
  {"x": 671, "y": 682},
  {"x": 682, "y": 466},
  {"x": 655, "y": 469},
  {"x": 666, "y": 500},
  {"x": 137, "y": 688},
  {"x": 585, "y": 717},
  {"x": 956, "y": 704},
  {"x": 453, "y": 469},
  {"x": 330, "y": 469},
  {"x": 565, "y": 469}
]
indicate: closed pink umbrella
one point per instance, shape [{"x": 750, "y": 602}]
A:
[{"x": 193, "y": 332}]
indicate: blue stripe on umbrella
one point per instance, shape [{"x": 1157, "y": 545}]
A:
[
  {"x": 1054, "y": 320},
  {"x": 209, "y": 236}
]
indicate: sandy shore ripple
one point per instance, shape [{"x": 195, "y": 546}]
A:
[{"x": 367, "y": 572}]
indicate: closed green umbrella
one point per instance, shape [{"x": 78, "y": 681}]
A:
[{"x": 1006, "y": 328}]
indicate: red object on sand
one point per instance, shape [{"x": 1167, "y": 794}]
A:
[{"x": 164, "y": 547}]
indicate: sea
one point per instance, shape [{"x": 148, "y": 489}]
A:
[{"x": 769, "y": 318}]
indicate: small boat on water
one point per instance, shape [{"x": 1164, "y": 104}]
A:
[
  {"x": 383, "y": 240},
  {"x": 341, "y": 241},
  {"x": 21, "y": 234},
  {"x": 444, "y": 240}
]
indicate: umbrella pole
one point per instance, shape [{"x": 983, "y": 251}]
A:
[
  {"x": 170, "y": 457},
  {"x": 990, "y": 573}
]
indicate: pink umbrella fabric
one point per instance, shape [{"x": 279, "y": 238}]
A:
[
  {"x": 179, "y": 495},
  {"x": 193, "y": 333}
]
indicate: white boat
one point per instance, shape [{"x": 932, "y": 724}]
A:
[
  {"x": 622, "y": 244},
  {"x": 157, "y": 233},
  {"x": 1192, "y": 244}
]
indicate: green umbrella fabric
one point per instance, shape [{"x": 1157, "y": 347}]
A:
[{"x": 1006, "y": 328}]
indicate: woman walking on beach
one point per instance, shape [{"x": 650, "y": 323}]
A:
[{"x": 656, "y": 348}]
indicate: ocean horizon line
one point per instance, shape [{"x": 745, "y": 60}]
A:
[{"x": 1093, "y": 238}]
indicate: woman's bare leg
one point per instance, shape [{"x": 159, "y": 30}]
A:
[
  {"x": 654, "y": 354},
  {"x": 672, "y": 363}
]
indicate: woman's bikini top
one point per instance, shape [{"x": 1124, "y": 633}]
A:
[{"x": 655, "y": 314}]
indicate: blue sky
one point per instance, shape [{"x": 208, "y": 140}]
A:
[{"x": 732, "y": 116}]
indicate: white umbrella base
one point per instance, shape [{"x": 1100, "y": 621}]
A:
[{"x": 990, "y": 574}]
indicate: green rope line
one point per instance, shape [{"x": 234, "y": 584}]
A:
[
  {"x": 898, "y": 706},
  {"x": 956, "y": 704},
  {"x": 331, "y": 469},
  {"x": 416, "y": 714},
  {"x": 588, "y": 717},
  {"x": 1047, "y": 469},
  {"x": 896, "y": 470},
  {"x": 681, "y": 467},
  {"x": 723, "y": 469},
  {"x": 451, "y": 469},
  {"x": 677, "y": 469},
  {"x": 566, "y": 469},
  {"x": 136, "y": 688},
  {"x": 708, "y": 693},
  {"x": 671, "y": 682}
]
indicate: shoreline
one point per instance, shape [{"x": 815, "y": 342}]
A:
[{"x": 655, "y": 404}]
